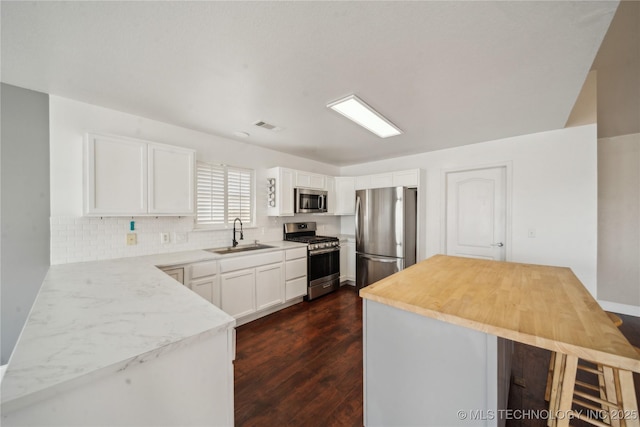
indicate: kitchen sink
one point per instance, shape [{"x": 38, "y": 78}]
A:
[{"x": 241, "y": 248}]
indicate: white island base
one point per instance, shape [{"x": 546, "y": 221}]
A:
[{"x": 420, "y": 371}]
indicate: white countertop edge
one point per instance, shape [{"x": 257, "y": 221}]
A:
[{"x": 18, "y": 402}]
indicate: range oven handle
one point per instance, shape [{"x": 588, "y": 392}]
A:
[{"x": 323, "y": 251}]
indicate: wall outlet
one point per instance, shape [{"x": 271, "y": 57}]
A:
[
  {"x": 132, "y": 239},
  {"x": 165, "y": 238}
]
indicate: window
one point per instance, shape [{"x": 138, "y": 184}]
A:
[{"x": 224, "y": 193}]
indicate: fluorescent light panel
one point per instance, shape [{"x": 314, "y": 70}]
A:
[{"x": 358, "y": 111}]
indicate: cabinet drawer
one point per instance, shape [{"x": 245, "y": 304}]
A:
[
  {"x": 296, "y": 268},
  {"x": 248, "y": 261},
  {"x": 203, "y": 269},
  {"x": 295, "y": 288},
  {"x": 296, "y": 253}
]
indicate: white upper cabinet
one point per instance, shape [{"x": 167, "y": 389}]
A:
[
  {"x": 127, "y": 177},
  {"x": 115, "y": 176},
  {"x": 407, "y": 178},
  {"x": 310, "y": 180},
  {"x": 171, "y": 183},
  {"x": 280, "y": 197},
  {"x": 345, "y": 195}
]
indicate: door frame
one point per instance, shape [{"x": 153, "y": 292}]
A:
[{"x": 508, "y": 175}]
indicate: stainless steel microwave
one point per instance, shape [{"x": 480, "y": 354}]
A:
[{"x": 310, "y": 201}]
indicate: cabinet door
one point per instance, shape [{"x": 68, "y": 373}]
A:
[
  {"x": 309, "y": 180},
  {"x": 286, "y": 192},
  {"x": 115, "y": 176},
  {"x": 363, "y": 182},
  {"x": 345, "y": 195},
  {"x": 205, "y": 288},
  {"x": 407, "y": 178},
  {"x": 330, "y": 187},
  {"x": 351, "y": 260},
  {"x": 175, "y": 273},
  {"x": 382, "y": 180},
  {"x": 269, "y": 286},
  {"x": 171, "y": 180},
  {"x": 237, "y": 293}
]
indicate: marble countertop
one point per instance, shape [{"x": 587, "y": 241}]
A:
[{"x": 95, "y": 318}]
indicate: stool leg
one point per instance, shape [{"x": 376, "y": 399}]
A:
[
  {"x": 547, "y": 391},
  {"x": 556, "y": 387},
  {"x": 563, "y": 409},
  {"x": 629, "y": 402},
  {"x": 611, "y": 393},
  {"x": 556, "y": 380}
]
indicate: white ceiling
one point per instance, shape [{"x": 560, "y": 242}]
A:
[{"x": 447, "y": 73}]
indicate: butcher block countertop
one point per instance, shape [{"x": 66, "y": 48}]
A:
[{"x": 539, "y": 305}]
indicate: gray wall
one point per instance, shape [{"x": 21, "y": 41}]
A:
[
  {"x": 619, "y": 219},
  {"x": 24, "y": 212}
]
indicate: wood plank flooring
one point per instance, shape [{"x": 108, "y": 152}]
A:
[{"x": 302, "y": 366}]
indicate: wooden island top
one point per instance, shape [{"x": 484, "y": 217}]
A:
[{"x": 539, "y": 305}]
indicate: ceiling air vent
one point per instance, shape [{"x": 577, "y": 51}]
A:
[{"x": 267, "y": 126}]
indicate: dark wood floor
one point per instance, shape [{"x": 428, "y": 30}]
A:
[{"x": 302, "y": 366}]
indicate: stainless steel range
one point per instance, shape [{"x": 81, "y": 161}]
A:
[{"x": 323, "y": 257}]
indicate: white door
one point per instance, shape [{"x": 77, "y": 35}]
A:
[{"x": 476, "y": 213}]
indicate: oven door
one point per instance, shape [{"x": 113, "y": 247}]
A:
[{"x": 323, "y": 265}]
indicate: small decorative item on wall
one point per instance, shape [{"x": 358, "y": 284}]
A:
[{"x": 272, "y": 192}]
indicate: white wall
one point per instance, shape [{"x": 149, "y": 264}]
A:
[
  {"x": 619, "y": 223},
  {"x": 75, "y": 238},
  {"x": 553, "y": 190}
]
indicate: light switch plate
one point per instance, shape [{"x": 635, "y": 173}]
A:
[{"x": 180, "y": 237}]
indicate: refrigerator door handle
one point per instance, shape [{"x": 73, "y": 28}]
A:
[
  {"x": 358, "y": 227},
  {"x": 379, "y": 258}
]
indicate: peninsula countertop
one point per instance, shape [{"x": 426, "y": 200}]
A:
[
  {"x": 95, "y": 318},
  {"x": 543, "y": 306}
]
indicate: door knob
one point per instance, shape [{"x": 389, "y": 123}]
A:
[{"x": 498, "y": 244}]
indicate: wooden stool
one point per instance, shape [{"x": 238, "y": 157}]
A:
[
  {"x": 615, "y": 405},
  {"x": 617, "y": 321},
  {"x": 614, "y": 318}
]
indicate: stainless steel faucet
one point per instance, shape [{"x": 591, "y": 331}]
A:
[{"x": 235, "y": 242}]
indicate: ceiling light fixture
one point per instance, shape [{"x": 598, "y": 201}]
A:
[{"x": 358, "y": 111}]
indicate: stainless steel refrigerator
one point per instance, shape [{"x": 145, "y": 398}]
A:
[{"x": 385, "y": 232}]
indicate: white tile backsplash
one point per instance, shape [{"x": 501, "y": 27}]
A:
[{"x": 77, "y": 239}]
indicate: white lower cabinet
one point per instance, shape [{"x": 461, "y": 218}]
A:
[
  {"x": 248, "y": 286},
  {"x": 347, "y": 259},
  {"x": 238, "y": 296},
  {"x": 295, "y": 273},
  {"x": 269, "y": 289},
  {"x": 205, "y": 288},
  {"x": 203, "y": 280},
  {"x": 251, "y": 283},
  {"x": 177, "y": 273}
]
